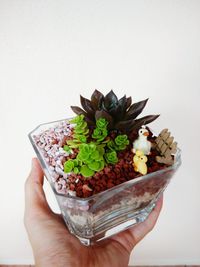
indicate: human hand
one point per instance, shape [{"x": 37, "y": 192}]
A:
[{"x": 54, "y": 246}]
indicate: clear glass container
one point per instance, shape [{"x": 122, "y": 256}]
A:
[{"x": 112, "y": 211}]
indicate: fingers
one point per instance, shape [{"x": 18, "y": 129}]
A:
[
  {"x": 140, "y": 230},
  {"x": 35, "y": 199},
  {"x": 129, "y": 238}
]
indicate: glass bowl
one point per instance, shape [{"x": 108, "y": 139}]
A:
[{"x": 102, "y": 215}]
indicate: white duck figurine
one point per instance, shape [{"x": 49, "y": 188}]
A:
[{"x": 142, "y": 143}]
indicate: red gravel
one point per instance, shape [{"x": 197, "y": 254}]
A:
[{"x": 111, "y": 175}]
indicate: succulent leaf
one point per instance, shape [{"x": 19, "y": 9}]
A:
[
  {"x": 73, "y": 143},
  {"x": 78, "y": 119},
  {"x": 145, "y": 120},
  {"x": 128, "y": 102},
  {"x": 76, "y": 170},
  {"x": 101, "y": 150},
  {"x": 81, "y": 138},
  {"x": 103, "y": 114},
  {"x": 121, "y": 110},
  {"x": 111, "y": 145},
  {"x": 96, "y": 99},
  {"x": 121, "y": 141},
  {"x": 111, "y": 157},
  {"x": 95, "y": 165},
  {"x": 125, "y": 126},
  {"x": 110, "y": 101},
  {"x": 101, "y": 123},
  {"x": 99, "y": 134},
  {"x": 96, "y": 155},
  {"x": 136, "y": 109},
  {"x": 68, "y": 166},
  {"x": 86, "y": 171},
  {"x": 78, "y": 110},
  {"x": 87, "y": 106}
]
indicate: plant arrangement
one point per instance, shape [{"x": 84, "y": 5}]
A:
[
  {"x": 95, "y": 150},
  {"x": 104, "y": 145},
  {"x": 105, "y": 166}
]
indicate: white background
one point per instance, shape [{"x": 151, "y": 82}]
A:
[{"x": 51, "y": 51}]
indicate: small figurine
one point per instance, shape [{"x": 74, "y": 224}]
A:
[
  {"x": 142, "y": 143},
  {"x": 139, "y": 162}
]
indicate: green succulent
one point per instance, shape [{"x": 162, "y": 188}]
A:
[
  {"x": 111, "y": 145},
  {"x": 88, "y": 161},
  {"x": 101, "y": 123},
  {"x": 99, "y": 134},
  {"x": 71, "y": 165},
  {"x": 86, "y": 171},
  {"x": 77, "y": 120},
  {"x": 111, "y": 157},
  {"x": 68, "y": 165},
  {"x": 91, "y": 152},
  {"x": 121, "y": 142},
  {"x": 81, "y": 132}
]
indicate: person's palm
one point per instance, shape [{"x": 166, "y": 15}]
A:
[{"x": 52, "y": 243}]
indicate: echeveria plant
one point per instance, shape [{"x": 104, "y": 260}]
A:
[{"x": 121, "y": 114}]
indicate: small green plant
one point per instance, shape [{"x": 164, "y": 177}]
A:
[
  {"x": 81, "y": 132},
  {"x": 71, "y": 165},
  {"x": 88, "y": 161},
  {"x": 119, "y": 143},
  {"x": 111, "y": 157},
  {"x": 92, "y": 156},
  {"x": 100, "y": 132}
]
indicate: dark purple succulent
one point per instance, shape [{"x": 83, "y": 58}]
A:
[{"x": 120, "y": 113}]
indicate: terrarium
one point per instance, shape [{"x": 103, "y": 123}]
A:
[{"x": 105, "y": 166}]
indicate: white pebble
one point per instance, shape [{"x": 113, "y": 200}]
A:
[
  {"x": 71, "y": 193},
  {"x": 59, "y": 170},
  {"x": 42, "y": 139},
  {"x": 65, "y": 175}
]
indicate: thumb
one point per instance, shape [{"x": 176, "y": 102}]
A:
[{"x": 35, "y": 200}]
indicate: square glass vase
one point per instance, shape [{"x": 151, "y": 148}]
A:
[{"x": 107, "y": 213}]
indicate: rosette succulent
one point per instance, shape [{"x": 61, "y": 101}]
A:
[
  {"x": 81, "y": 131},
  {"x": 88, "y": 161},
  {"x": 111, "y": 157},
  {"x": 100, "y": 132},
  {"x": 120, "y": 113},
  {"x": 119, "y": 143},
  {"x": 102, "y": 123}
]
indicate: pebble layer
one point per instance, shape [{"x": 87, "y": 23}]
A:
[{"x": 50, "y": 143}]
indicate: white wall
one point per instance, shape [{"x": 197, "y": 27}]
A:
[{"x": 51, "y": 51}]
